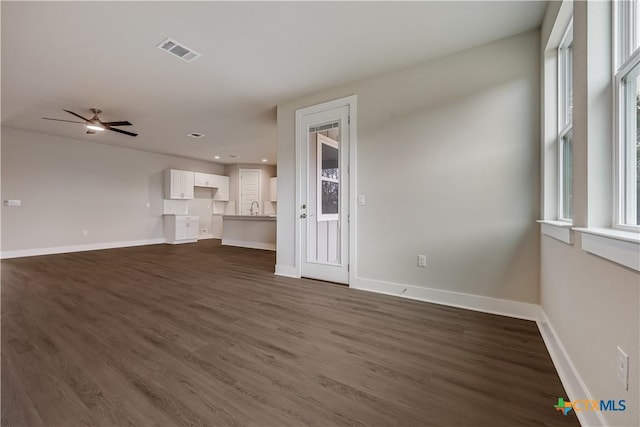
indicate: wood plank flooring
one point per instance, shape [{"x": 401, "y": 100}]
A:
[{"x": 206, "y": 335}]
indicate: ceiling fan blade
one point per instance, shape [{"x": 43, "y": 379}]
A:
[
  {"x": 122, "y": 131},
  {"x": 78, "y": 116},
  {"x": 122, "y": 123},
  {"x": 61, "y": 120}
]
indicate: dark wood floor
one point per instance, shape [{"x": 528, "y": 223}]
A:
[{"x": 204, "y": 335}]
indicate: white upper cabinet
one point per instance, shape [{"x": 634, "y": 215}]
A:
[
  {"x": 205, "y": 180},
  {"x": 223, "y": 189},
  {"x": 178, "y": 184}
]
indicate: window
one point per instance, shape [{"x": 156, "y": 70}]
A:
[
  {"x": 627, "y": 109},
  {"x": 565, "y": 125}
]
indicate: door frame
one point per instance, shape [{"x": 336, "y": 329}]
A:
[{"x": 300, "y": 136}]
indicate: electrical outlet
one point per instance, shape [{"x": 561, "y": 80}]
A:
[
  {"x": 422, "y": 260},
  {"x": 205, "y": 231},
  {"x": 622, "y": 368},
  {"x": 13, "y": 203},
  {"x": 148, "y": 204},
  {"x": 85, "y": 232}
]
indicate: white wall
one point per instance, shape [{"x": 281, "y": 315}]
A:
[
  {"x": 592, "y": 304},
  {"x": 448, "y": 160},
  {"x": 67, "y": 186}
]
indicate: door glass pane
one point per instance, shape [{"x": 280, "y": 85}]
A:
[
  {"x": 323, "y": 224},
  {"x": 329, "y": 179},
  {"x": 329, "y": 197},
  {"x": 329, "y": 161}
]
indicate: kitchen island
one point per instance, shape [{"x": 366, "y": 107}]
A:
[{"x": 249, "y": 231}]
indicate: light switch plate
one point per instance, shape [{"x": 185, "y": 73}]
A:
[
  {"x": 361, "y": 200},
  {"x": 622, "y": 368},
  {"x": 422, "y": 260}
]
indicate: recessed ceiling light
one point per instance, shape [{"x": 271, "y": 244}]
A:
[
  {"x": 196, "y": 135},
  {"x": 264, "y": 160},
  {"x": 216, "y": 157}
]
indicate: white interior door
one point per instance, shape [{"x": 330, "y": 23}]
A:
[
  {"x": 250, "y": 194},
  {"x": 324, "y": 195}
]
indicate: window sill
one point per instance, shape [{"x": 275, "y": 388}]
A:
[
  {"x": 558, "y": 230},
  {"x": 622, "y": 247}
]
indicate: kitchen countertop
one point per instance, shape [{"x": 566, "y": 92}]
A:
[{"x": 250, "y": 217}]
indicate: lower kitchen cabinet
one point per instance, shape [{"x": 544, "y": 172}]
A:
[{"x": 181, "y": 228}]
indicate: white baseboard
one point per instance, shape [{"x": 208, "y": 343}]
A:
[
  {"x": 78, "y": 248},
  {"x": 181, "y": 242},
  {"x": 520, "y": 310},
  {"x": 286, "y": 271},
  {"x": 208, "y": 236},
  {"x": 569, "y": 376},
  {"x": 251, "y": 245}
]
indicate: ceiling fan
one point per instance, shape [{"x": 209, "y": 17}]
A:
[{"x": 94, "y": 124}]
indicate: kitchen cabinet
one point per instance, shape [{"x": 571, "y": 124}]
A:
[
  {"x": 181, "y": 228},
  {"x": 222, "y": 195},
  {"x": 273, "y": 189},
  {"x": 220, "y": 182},
  {"x": 205, "y": 180},
  {"x": 178, "y": 184}
]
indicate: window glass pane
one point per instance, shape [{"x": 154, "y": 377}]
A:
[
  {"x": 565, "y": 104},
  {"x": 633, "y": 153},
  {"x": 637, "y": 193},
  {"x": 565, "y": 78},
  {"x": 630, "y": 158},
  {"x": 569, "y": 84},
  {"x": 567, "y": 176},
  {"x": 635, "y": 18}
]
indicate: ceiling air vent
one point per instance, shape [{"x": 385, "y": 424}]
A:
[
  {"x": 196, "y": 135},
  {"x": 179, "y": 50}
]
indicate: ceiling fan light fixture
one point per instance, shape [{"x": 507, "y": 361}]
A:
[{"x": 95, "y": 127}]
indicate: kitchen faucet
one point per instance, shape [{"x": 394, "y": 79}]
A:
[{"x": 257, "y": 207}]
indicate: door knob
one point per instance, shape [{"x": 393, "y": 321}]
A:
[{"x": 303, "y": 216}]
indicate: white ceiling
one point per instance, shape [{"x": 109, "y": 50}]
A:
[{"x": 255, "y": 55}]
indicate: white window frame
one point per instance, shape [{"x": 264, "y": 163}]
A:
[
  {"x": 565, "y": 116},
  {"x": 626, "y": 58}
]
